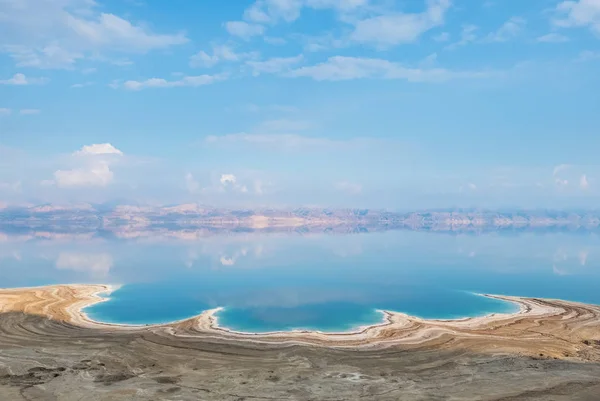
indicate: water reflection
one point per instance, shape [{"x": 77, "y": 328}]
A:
[{"x": 307, "y": 278}]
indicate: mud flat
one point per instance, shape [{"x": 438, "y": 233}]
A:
[{"x": 50, "y": 350}]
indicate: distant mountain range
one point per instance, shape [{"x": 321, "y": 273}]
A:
[{"x": 194, "y": 219}]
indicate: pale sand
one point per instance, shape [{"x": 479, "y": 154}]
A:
[{"x": 552, "y": 327}]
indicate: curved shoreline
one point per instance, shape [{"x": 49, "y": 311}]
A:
[
  {"x": 541, "y": 326},
  {"x": 385, "y": 317},
  {"x": 97, "y": 290}
]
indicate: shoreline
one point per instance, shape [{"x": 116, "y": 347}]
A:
[
  {"x": 68, "y": 302},
  {"x": 95, "y": 292},
  {"x": 386, "y": 317}
]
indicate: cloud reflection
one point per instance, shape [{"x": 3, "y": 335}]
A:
[{"x": 94, "y": 264}]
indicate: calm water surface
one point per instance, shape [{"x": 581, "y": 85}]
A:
[{"x": 322, "y": 282}]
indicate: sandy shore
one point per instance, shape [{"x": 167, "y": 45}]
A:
[{"x": 561, "y": 326}]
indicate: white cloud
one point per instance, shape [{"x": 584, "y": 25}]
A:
[
  {"x": 111, "y": 30},
  {"x": 96, "y": 264},
  {"x": 509, "y": 30},
  {"x": 573, "y": 177},
  {"x": 243, "y": 29},
  {"x": 340, "y": 5},
  {"x": 229, "y": 181},
  {"x": 561, "y": 167},
  {"x": 23, "y": 112},
  {"x": 219, "y": 53},
  {"x": 55, "y": 34},
  {"x": 275, "y": 41},
  {"x": 588, "y": 55},
  {"x": 191, "y": 184},
  {"x": 429, "y": 61},
  {"x": 467, "y": 35},
  {"x": 94, "y": 169},
  {"x": 284, "y": 141},
  {"x": 393, "y": 29},
  {"x": 259, "y": 187},
  {"x": 225, "y": 261},
  {"x": 82, "y": 85},
  {"x": 583, "y": 182},
  {"x": 561, "y": 182},
  {"x": 583, "y": 257},
  {"x": 29, "y": 111},
  {"x": 442, "y": 37},
  {"x": 97, "y": 175},
  {"x": 274, "y": 11},
  {"x": 274, "y": 65},
  {"x": 21, "y": 79},
  {"x": 284, "y": 125},
  {"x": 581, "y": 13},
  {"x": 192, "y": 81},
  {"x": 341, "y": 68},
  {"x": 47, "y": 57},
  {"x": 469, "y": 187},
  {"x": 552, "y": 38},
  {"x": 98, "y": 149},
  {"x": 348, "y": 187},
  {"x": 10, "y": 186}
]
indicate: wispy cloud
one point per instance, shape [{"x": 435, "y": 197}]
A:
[
  {"x": 553, "y": 38},
  {"x": 588, "y": 55},
  {"x": 243, "y": 29},
  {"x": 25, "y": 112},
  {"x": 95, "y": 264},
  {"x": 192, "y": 81},
  {"x": 21, "y": 79},
  {"x": 293, "y": 141},
  {"x": 82, "y": 85},
  {"x": 583, "y": 182},
  {"x": 286, "y": 141},
  {"x": 578, "y": 13},
  {"x": 348, "y": 187},
  {"x": 467, "y": 35},
  {"x": 341, "y": 68},
  {"x": 284, "y": 125},
  {"x": 56, "y": 34},
  {"x": 393, "y": 29},
  {"x": 274, "y": 65},
  {"x": 219, "y": 54},
  {"x": 442, "y": 37},
  {"x": 509, "y": 30}
]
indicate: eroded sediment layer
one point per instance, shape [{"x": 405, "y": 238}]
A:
[{"x": 553, "y": 328}]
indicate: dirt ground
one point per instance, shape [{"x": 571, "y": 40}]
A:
[{"x": 42, "y": 359}]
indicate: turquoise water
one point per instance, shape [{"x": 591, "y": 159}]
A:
[{"x": 319, "y": 282}]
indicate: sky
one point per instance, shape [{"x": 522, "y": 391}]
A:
[{"x": 397, "y": 104}]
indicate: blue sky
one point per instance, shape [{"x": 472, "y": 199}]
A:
[{"x": 366, "y": 103}]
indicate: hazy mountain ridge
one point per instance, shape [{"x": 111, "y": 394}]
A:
[{"x": 125, "y": 219}]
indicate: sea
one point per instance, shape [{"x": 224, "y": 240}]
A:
[{"x": 298, "y": 281}]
